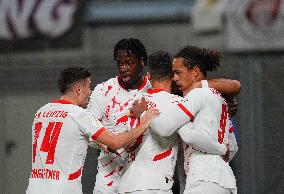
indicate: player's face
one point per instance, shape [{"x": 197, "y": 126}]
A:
[
  {"x": 130, "y": 68},
  {"x": 85, "y": 92},
  {"x": 182, "y": 75}
]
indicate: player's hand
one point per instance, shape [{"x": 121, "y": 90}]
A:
[
  {"x": 232, "y": 107},
  {"x": 226, "y": 157},
  {"x": 149, "y": 115},
  {"x": 107, "y": 149},
  {"x": 138, "y": 108},
  {"x": 113, "y": 151}
]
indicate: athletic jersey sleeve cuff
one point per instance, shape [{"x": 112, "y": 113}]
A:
[{"x": 97, "y": 134}]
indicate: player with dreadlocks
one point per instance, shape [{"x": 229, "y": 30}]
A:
[{"x": 110, "y": 102}]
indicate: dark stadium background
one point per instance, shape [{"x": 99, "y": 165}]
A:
[{"x": 29, "y": 68}]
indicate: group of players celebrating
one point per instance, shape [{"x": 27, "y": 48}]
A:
[{"x": 140, "y": 122}]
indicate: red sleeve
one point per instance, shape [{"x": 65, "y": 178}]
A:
[{"x": 98, "y": 133}]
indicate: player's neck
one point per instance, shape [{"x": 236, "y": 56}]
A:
[
  {"x": 137, "y": 84},
  {"x": 195, "y": 84},
  {"x": 70, "y": 98},
  {"x": 164, "y": 85}
]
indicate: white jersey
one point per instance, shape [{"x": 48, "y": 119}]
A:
[
  {"x": 156, "y": 143},
  {"x": 110, "y": 102},
  {"x": 155, "y": 159},
  {"x": 213, "y": 119},
  {"x": 205, "y": 108},
  {"x": 61, "y": 132}
]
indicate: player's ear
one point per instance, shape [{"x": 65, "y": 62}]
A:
[
  {"x": 77, "y": 88},
  {"x": 196, "y": 71}
]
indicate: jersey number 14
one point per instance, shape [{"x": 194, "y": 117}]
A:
[{"x": 49, "y": 141}]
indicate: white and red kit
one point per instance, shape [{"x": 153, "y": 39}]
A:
[
  {"x": 208, "y": 111},
  {"x": 61, "y": 132},
  {"x": 153, "y": 167},
  {"x": 110, "y": 102}
]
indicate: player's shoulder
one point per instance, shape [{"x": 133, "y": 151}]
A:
[
  {"x": 103, "y": 89},
  {"x": 46, "y": 106},
  {"x": 108, "y": 83},
  {"x": 71, "y": 109},
  {"x": 140, "y": 95},
  {"x": 42, "y": 109},
  {"x": 210, "y": 94},
  {"x": 171, "y": 97},
  {"x": 197, "y": 92},
  {"x": 164, "y": 97},
  {"x": 75, "y": 111},
  {"x": 156, "y": 93}
]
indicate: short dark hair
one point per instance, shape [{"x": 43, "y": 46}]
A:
[
  {"x": 160, "y": 65},
  {"x": 205, "y": 59},
  {"x": 131, "y": 45},
  {"x": 70, "y": 76}
]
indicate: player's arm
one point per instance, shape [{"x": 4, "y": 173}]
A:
[
  {"x": 95, "y": 131},
  {"x": 227, "y": 87},
  {"x": 168, "y": 122},
  {"x": 116, "y": 141},
  {"x": 201, "y": 140},
  {"x": 166, "y": 119},
  {"x": 178, "y": 114}
]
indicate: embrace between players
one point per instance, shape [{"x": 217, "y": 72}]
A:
[{"x": 139, "y": 152}]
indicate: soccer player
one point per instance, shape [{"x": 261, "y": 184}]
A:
[
  {"x": 110, "y": 102},
  {"x": 151, "y": 172},
  {"x": 61, "y": 132},
  {"x": 206, "y": 173}
]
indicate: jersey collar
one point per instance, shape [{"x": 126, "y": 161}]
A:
[
  {"x": 154, "y": 90},
  {"x": 61, "y": 101},
  {"x": 121, "y": 83}
]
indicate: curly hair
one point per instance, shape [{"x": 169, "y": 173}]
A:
[
  {"x": 205, "y": 59},
  {"x": 131, "y": 45}
]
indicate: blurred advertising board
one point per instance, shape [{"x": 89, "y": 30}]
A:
[
  {"x": 34, "y": 24},
  {"x": 255, "y": 25}
]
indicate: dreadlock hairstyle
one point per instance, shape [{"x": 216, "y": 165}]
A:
[
  {"x": 160, "y": 65},
  {"x": 131, "y": 45},
  {"x": 205, "y": 59}
]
